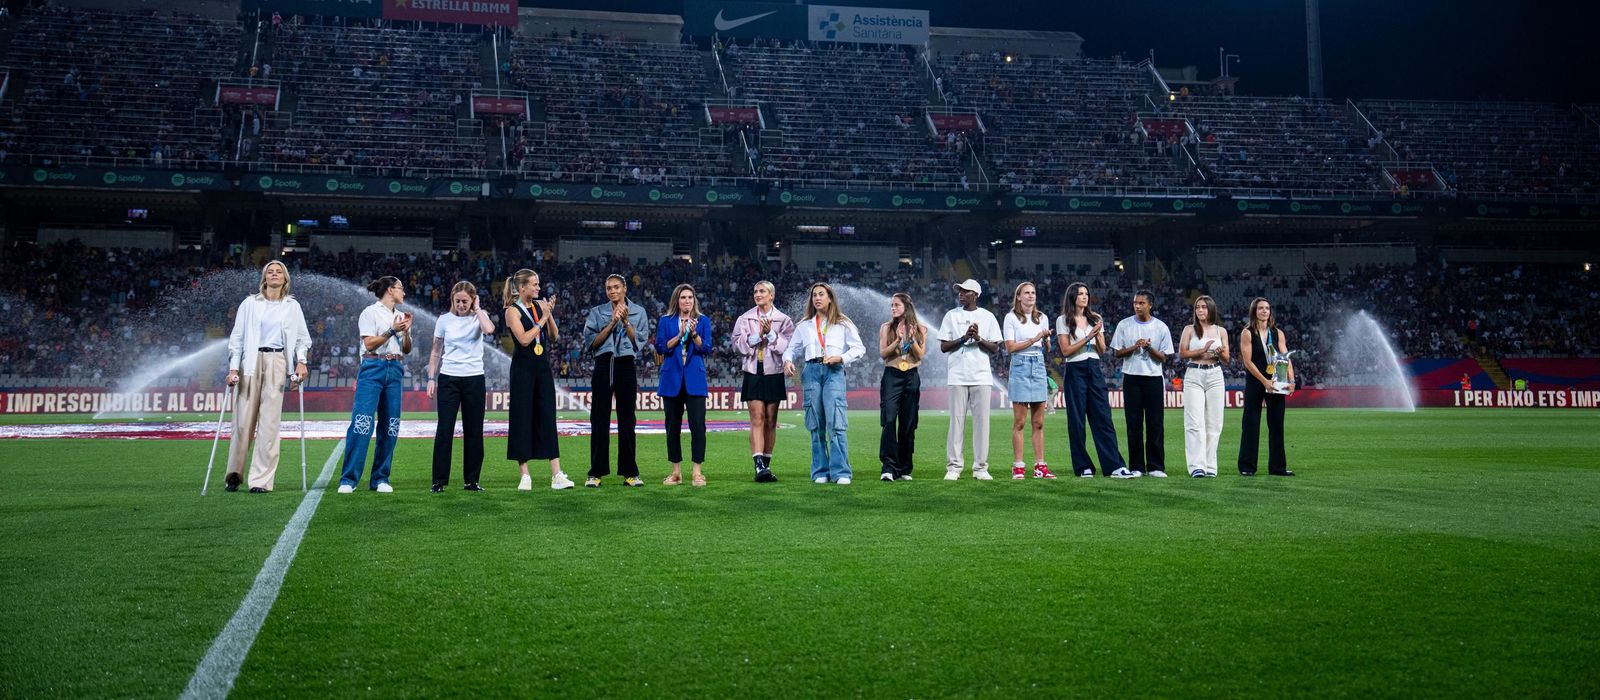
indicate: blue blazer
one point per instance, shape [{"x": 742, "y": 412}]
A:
[{"x": 676, "y": 374}]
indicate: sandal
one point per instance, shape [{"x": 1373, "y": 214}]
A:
[
  {"x": 699, "y": 480},
  {"x": 673, "y": 480}
]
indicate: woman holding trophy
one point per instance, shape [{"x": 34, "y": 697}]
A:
[{"x": 1265, "y": 353}]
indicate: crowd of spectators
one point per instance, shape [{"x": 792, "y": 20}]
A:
[{"x": 91, "y": 316}]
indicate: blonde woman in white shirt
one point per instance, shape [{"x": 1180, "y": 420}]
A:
[
  {"x": 269, "y": 326},
  {"x": 1204, "y": 350},
  {"x": 1026, "y": 332},
  {"x": 455, "y": 380},
  {"x": 825, "y": 340}
]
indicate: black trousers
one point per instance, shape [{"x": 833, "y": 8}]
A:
[
  {"x": 1143, "y": 410},
  {"x": 614, "y": 377},
  {"x": 465, "y": 394},
  {"x": 696, "y": 406},
  {"x": 1250, "y": 436},
  {"x": 899, "y": 400}
]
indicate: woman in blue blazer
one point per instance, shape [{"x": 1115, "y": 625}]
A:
[{"x": 683, "y": 340}]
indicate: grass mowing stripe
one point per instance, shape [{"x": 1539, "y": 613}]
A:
[{"x": 213, "y": 678}]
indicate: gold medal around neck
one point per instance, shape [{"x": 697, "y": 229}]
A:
[
  {"x": 538, "y": 349},
  {"x": 905, "y": 366}
]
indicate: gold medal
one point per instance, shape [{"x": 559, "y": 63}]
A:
[
  {"x": 1272, "y": 368},
  {"x": 904, "y": 365},
  {"x": 538, "y": 349}
]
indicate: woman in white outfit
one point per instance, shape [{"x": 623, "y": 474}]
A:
[
  {"x": 1203, "y": 349},
  {"x": 268, "y": 327}
]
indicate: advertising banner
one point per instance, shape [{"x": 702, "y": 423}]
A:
[
  {"x": 867, "y": 25},
  {"x": 744, "y": 20}
]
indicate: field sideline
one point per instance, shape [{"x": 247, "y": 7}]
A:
[{"x": 1448, "y": 552}]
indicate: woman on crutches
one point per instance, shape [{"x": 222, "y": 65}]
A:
[{"x": 268, "y": 325}]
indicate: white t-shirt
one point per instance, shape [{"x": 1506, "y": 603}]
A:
[
  {"x": 1129, "y": 331},
  {"x": 274, "y": 314},
  {"x": 1016, "y": 330},
  {"x": 463, "y": 345},
  {"x": 375, "y": 320},
  {"x": 1069, "y": 328},
  {"x": 969, "y": 364}
]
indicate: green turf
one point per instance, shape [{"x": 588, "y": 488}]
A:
[{"x": 1450, "y": 552}]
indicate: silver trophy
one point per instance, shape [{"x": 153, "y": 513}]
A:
[{"x": 1278, "y": 370}]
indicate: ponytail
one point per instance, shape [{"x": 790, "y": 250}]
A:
[
  {"x": 380, "y": 286},
  {"x": 508, "y": 295}
]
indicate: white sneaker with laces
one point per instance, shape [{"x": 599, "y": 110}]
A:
[
  {"x": 346, "y": 488},
  {"x": 820, "y": 480},
  {"x": 952, "y": 474},
  {"x": 982, "y": 475},
  {"x": 1157, "y": 473},
  {"x": 526, "y": 484},
  {"x": 886, "y": 476},
  {"x": 385, "y": 488},
  {"x": 560, "y": 482},
  {"x": 905, "y": 477},
  {"x": 843, "y": 481},
  {"x": 1125, "y": 473}
]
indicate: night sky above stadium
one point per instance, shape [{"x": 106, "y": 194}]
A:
[{"x": 1443, "y": 49}]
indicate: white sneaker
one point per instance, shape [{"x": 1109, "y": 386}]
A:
[
  {"x": 1197, "y": 473},
  {"x": 952, "y": 474},
  {"x": 385, "y": 488},
  {"x": 560, "y": 482},
  {"x": 1124, "y": 473},
  {"x": 1157, "y": 473},
  {"x": 526, "y": 484},
  {"x": 346, "y": 488},
  {"x": 843, "y": 481},
  {"x": 820, "y": 480},
  {"x": 905, "y": 477},
  {"x": 1086, "y": 474},
  {"x": 982, "y": 475},
  {"x": 886, "y": 476}
]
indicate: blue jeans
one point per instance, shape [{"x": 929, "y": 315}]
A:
[
  {"x": 377, "y": 389},
  {"x": 827, "y": 420},
  {"x": 1085, "y": 389}
]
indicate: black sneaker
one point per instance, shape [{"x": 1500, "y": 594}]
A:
[
  {"x": 232, "y": 482},
  {"x": 437, "y": 488},
  {"x": 764, "y": 476},
  {"x": 472, "y": 487},
  {"x": 256, "y": 489},
  {"x": 1282, "y": 473}
]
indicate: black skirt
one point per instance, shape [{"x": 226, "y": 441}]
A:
[
  {"x": 531, "y": 432},
  {"x": 764, "y": 387}
]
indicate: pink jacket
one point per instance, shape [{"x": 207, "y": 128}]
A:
[{"x": 747, "y": 340}]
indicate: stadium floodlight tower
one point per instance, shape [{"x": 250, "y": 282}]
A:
[{"x": 1313, "y": 49}]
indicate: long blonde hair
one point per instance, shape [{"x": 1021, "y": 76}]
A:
[
  {"x": 262, "y": 288},
  {"x": 1016, "y": 304},
  {"x": 509, "y": 295},
  {"x": 835, "y": 316}
]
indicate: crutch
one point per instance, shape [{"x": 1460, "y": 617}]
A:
[
  {"x": 302, "y": 436},
  {"x": 227, "y": 393}
]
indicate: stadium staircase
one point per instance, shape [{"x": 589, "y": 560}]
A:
[{"x": 1492, "y": 367}]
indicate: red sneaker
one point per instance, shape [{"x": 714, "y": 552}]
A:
[
  {"x": 1041, "y": 471},
  {"x": 1019, "y": 473}
]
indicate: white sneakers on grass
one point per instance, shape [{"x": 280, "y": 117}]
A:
[
  {"x": 843, "y": 481},
  {"x": 1157, "y": 473},
  {"x": 1125, "y": 473},
  {"x": 952, "y": 474},
  {"x": 526, "y": 484},
  {"x": 820, "y": 480},
  {"x": 560, "y": 482},
  {"x": 384, "y": 488},
  {"x": 346, "y": 488}
]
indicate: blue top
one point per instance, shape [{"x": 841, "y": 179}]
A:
[{"x": 677, "y": 376}]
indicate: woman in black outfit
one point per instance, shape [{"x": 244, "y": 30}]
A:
[
  {"x": 1260, "y": 339},
  {"x": 532, "y": 430}
]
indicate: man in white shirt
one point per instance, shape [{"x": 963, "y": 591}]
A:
[
  {"x": 970, "y": 336},
  {"x": 1143, "y": 343}
]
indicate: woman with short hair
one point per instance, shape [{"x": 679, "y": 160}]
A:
[{"x": 455, "y": 380}]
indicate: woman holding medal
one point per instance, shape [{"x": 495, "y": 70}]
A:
[
  {"x": 683, "y": 340},
  {"x": 532, "y": 430},
  {"x": 761, "y": 335},
  {"x": 1027, "y": 333},
  {"x": 902, "y": 342},
  {"x": 1260, "y": 340},
  {"x": 826, "y": 340}
]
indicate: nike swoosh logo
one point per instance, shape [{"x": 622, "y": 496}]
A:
[{"x": 723, "y": 25}]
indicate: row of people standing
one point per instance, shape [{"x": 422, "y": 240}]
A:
[{"x": 823, "y": 343}]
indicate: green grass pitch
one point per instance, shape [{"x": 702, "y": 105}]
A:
[{"x": 1445, "y": 553}]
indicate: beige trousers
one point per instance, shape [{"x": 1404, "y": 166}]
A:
[{"x": 257, "y": 411}]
